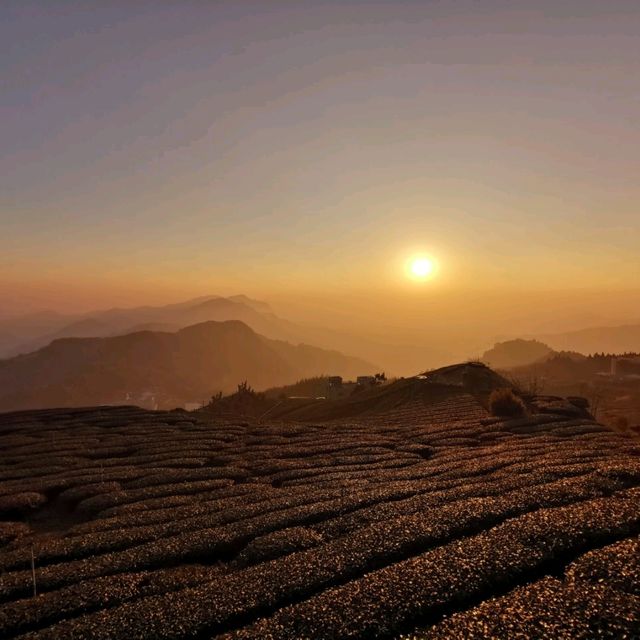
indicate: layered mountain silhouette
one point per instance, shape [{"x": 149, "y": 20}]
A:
[
  {"x": 172, "y": 368},
  {"x": 29, "y": 333}
]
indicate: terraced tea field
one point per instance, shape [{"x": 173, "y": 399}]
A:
[{"x": 430, "y": 521}]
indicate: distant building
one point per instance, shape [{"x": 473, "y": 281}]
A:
[
  {"x": 334, "y": 388},
  {"x": 365, "y": 381}
]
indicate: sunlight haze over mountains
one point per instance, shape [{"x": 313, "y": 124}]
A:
[
  {"x": 319, "y": 319},
  {"x": 300, "y": 152}
]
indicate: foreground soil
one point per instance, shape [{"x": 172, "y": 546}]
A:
[{"x": 430, "y": 520}]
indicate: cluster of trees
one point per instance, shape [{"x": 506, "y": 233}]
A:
[
  {"x": 244, "y": 401},
  {"x": 606, "y": 356}
]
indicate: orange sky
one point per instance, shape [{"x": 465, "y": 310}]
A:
[{"x": 299, "y": 152}]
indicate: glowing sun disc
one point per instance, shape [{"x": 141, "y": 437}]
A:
[{"x": 422, "y": 267}]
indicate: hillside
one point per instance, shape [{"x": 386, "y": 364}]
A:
[
  {"x": 167, "y": 369},
  {"x": 364, "y": 402},
  {"x": 428, "y": 520}
]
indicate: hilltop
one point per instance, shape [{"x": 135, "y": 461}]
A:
[
  {"x": 516, "y": 353},
  {"x": 427, "y": 518},
  {"x": 162, "y": 368},
  {"x": 349, "y": 400}
]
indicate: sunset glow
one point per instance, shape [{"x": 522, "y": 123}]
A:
[
  {"x": 272, "y": 272},
  {"x": 421, "y": 268},
  {"x": 415, "y": 171}
]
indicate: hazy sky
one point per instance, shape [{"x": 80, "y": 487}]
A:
[{"x": 156, "y": 150}]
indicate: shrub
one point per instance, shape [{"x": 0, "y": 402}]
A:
[{"x": 503, "y": 402}]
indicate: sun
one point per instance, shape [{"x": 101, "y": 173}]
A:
[{"x": 421, "y": 267}]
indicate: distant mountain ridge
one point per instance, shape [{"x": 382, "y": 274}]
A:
[
  {"x": 25, "y": 335},
  {"x": 609, "y": 339},
  {"x": 173, "y": 368},
  {"x": 30, "y": 333},
  {"x": 397, "y": 354}
]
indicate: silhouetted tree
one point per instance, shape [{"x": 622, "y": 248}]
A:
[{"x": 244, "y": 388}]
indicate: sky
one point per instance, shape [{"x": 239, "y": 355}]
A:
[{"x": 302, "y": 151}]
